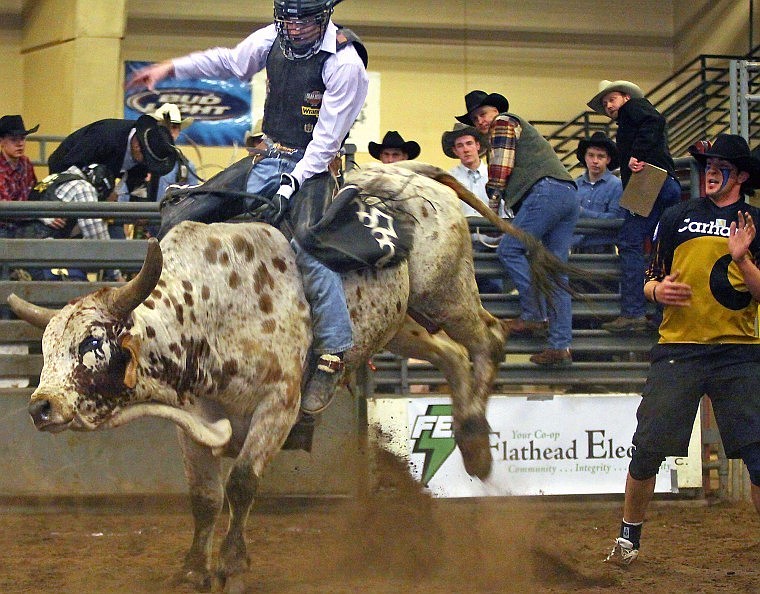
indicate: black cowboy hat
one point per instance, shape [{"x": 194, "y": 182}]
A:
[
  {"x": 449, "y": 138},
  {"x": 599, "y": 140},
  {"x": 734, "y": 149},
  {"x": 13, "y": 125},
  {"x": 393, "y": 139},
  {"x": 156, "y": 144},
  {"x": 475, "y": 99}
]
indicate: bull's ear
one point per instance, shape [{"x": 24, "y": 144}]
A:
[{"x": 131, "y": 344}]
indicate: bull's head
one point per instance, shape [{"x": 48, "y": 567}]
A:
[{"x": 90, "y": 358}]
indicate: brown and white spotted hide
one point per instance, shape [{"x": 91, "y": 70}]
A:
[{"x": 225, "y": 329}]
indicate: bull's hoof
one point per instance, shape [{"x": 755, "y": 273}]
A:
[
  {"x": 234, "y": 584},
  {"x": 199, "y": 580},
  {"x": 472, "y": 438}
]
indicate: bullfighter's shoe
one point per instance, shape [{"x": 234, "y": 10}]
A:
[
  {"x": 622, "y": 553},
  {"x": 320, "y": 388}
]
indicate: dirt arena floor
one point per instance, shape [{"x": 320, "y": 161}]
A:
[{"x": 394, "y": 540}]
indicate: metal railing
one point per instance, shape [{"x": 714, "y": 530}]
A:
[{"x": 696, "y": 102}]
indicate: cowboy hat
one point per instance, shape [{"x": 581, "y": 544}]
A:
[
  {"x": 475, "y": 99},
  {"x": 608, "y": 86},
  {"x": 169, "y": 113},
  {"x": 156, "y": 144},
  {"x": 734, "y": 149},
  {"x": 599, "y": 140},
  {"x": 449, "y": 138},
  {"x": 393, "y": 140},
  {"x": 13, "y": 125}
]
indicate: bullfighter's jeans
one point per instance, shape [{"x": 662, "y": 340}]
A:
[
  {"x": 549, "y": 212},
  {"x": 331, "y": 324},
  {"x": 630, "y": 242}
]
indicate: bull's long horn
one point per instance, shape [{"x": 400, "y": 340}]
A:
[
  {"x": 29, "y": 312},
  {"x": 123, "y": 300}
]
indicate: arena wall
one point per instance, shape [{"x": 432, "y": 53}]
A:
[{"x": 63, "y": 59}]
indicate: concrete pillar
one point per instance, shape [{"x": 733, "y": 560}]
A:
[{"x": 72, "y": 62}]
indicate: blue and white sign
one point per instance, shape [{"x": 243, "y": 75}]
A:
[{"x": 221, "y": 108}]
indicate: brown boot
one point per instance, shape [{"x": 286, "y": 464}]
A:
[
  {"x": 527, "y": 328},
  {"x": 321, "y": 387},
  {"x": 624, "y": 324},
  {"x": 553, "y": 358}
]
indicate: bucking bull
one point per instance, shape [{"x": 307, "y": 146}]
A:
[{"x": 213, "y": 335}]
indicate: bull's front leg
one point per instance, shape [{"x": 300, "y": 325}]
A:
[
  {"x": 267, "y": 431},
  {"x": 203, "y": 472}
]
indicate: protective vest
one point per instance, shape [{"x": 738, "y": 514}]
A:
[
  {"x": 46, "y": 188},
  {"x": 534, "y": 160},
  {"x": 294, "y": 92}
]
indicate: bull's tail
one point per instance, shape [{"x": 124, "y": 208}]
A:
[{"x": 547, "y": 271}]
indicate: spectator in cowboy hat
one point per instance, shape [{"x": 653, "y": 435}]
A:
[
  {"x": 129, "y": 148},
  {"x": 17, "y": 176},
  {"x": 526, "y": 177},
  {"x": 704, "y": 272},
  {"x": 641, "y": 139},
  {"x": 599, "y": 191},
  {"x": 468, "y": 145},
  {"x": 170, "y": 116},
  {"x": 394, "y": 148}
]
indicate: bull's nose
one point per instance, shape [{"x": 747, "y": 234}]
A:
[{"x": 41, "y": 412}]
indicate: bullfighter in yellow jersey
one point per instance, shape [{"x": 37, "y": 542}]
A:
[{"x": 703, "y": 272}]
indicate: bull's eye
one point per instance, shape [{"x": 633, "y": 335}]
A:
[{"x": 91, "y": 344}]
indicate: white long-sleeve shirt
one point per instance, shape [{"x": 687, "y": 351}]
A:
[{"x": 344, "y": 75}]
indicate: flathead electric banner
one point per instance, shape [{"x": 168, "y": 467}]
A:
[
  {"x": 560, "y": 445},
  {"x": 221, "y": 108}
]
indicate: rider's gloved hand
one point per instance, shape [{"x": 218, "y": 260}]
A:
[{"x": 279, "y": 207}]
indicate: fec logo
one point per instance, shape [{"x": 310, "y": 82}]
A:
[{"x": 433, "y": 436}]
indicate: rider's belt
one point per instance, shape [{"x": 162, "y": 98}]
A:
[{"x": 286, "y": 150}]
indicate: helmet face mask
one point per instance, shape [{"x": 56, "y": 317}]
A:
[{"x": 301, "y": 26}]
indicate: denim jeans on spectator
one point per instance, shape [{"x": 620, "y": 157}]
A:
[
  {"x": 331, "y": 324},
  {"x": 631, "y": 238},
  {"x": 486, "y": 284},
  {"x": 549, "y": 212}
]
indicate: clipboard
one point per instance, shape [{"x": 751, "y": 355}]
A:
[{"x": 642, "y": 189}]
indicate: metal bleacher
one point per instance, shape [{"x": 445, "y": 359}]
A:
[{"x": 602, "y": 359}]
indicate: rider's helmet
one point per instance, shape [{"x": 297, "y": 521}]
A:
[
  {"x": 100, "y": 177},
  {"x": 301, "y": 25}
]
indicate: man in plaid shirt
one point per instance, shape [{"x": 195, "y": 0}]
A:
[
  {"x": 16, "y": 171},
  {"x": 527, "y": 177},
  {"x": 72, "y": 185}
]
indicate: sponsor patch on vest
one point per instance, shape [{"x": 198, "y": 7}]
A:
[
  {"x": 310, "y": 111},
  {"x": 308, "y": 128},
  {"x": 313, "y": 98}
]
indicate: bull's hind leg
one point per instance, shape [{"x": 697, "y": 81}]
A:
[
  {"x": 413, "y": 341},
  {"x": 460, "y": 314},
  {"x": 471, "y": 429},
  {"x": 269, "y": 427},
  {"x": 203, "y": 472}
]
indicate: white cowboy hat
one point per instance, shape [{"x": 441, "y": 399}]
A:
[
  {"x": 169, "y": 113},
  {"x": 608, "y": 86}
]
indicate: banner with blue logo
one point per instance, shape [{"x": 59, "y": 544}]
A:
[{"x": 221, "y": 108}]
